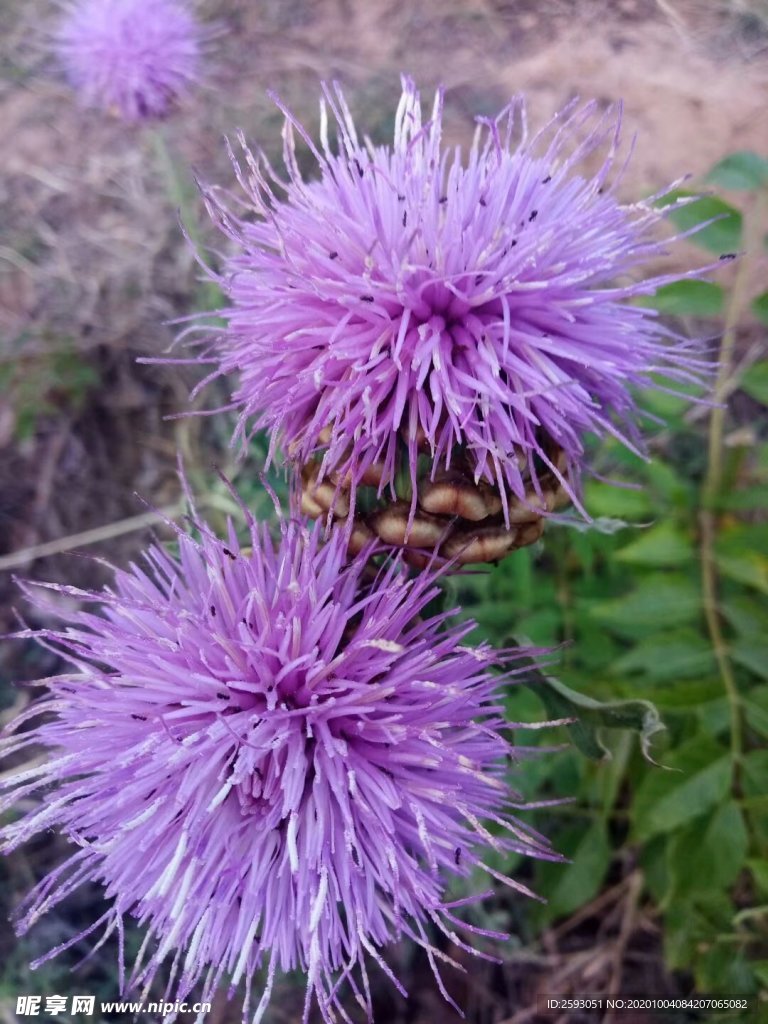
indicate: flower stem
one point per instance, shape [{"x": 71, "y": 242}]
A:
[
  {"x": 177, "y": 188},
  {"x": 714, "y": 475}
]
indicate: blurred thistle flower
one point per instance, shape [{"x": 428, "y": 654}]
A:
[
  {"x": 130, "y": 56},
  {"x": 271, "y": 760},
  {"x": 411, "y": 300}
]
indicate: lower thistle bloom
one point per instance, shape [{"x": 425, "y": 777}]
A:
[
  {"x": 410, "y": 304},
  {"x": 270, "y": 759},
  {"x": 133, "y": 57}
]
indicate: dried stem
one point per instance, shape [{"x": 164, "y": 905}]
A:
[{"x": 87, "y": 537}]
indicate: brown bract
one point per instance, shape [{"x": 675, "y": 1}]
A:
[{"x": 455, "y": 518}]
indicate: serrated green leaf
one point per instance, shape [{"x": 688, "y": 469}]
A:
[
  {"x": 659, "y": 601},
  {"x": 692, "y": 924},
  {"x": 708, "y": 853},
  {"x": 752, "y": 655},
  {"x": 744, "y": 615},
  {"x": 746, "y": 499},
  {"x": 666, "y": 481},
  {"x": 721, "y": 968},
  {"x": 570, "y": 887},
  {"x": 662, "y": 545},
  {"x": 688, "y": 695},
  {"x": 723, "y": 235},
  {"x": 668, "y": 657},
  {"x": 760, "y": 307},
  {"x": 749, "y": 568},
  {"x": 754, "y": 773},
  {"x": 742, "y": 550},
  {"x": 687, "y": 298},
  {"x": 742, "y": 171},
  {"x": 666, "y": 800},
  {"x": 756, "y": 710},
  {"x": 755, "y": 382}
]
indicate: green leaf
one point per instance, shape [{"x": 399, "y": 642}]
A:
[
  {"x": 652, "y": 858},
  {"x": 666, "y": 800},
  {"x": 740, "y": 554},
  {"x": 750, "y": 568},
  {"x": 740, "y": 171},
  {"x": 617, "y": 502},
  {"x": 759, "y": 869},
  {"x": 668, "y": 657},
  {"x": 760, "y": 307},
  {"x": 722, "y": 236},
  {"x": 756, "y": 710},
  {"x": 754, "y": 773},
  {"x": 746, "y": 499},
  {"x": 591, "y": 716},
  {"x": 755, "y": 382},
  {"x": 752, "y": 655},
  {"x": 744, "y": 615},
  {"x": 667, "y": 482},
  {"x": 662, "y": 545},
  {"x": 687, "y": 298},
  {"x": 709, "y": 853},
  {"x": 659, "y": 601},
  {"x": 571, "y": 887},
  {"x": 722, "y": 968},
  {"x": 688, "y": 695},
  {"x": 692, "y": 924}
]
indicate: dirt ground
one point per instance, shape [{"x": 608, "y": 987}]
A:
[{"x": 93, "y": 264}]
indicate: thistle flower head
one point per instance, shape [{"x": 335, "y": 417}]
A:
[
  {"x": 409, "y": 297},
  {"x": 270, "y": 760},
  {"x": 130, "y": 56}
]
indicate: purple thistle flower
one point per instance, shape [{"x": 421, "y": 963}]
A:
[
  {"x": 270, "y": 761},
  {"x": 130, "y": 56},
  {"x": 477, "y": 303}
]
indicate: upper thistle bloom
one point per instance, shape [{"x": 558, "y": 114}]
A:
[
  {"x": 270, "y": 760},
  {"x": 407, "y": 298},
  {"x": 131, "y": 56}
]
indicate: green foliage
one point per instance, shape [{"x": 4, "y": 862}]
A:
[
  {"x": 755, "y": 382},
  {"x": 36, "y": 386},
  {"x": 688, "y": 298},
  {"x": 717, "y": 224},
  {"x": 741, "y": 171},
  {"x": 760, "y": 307},
  {"x": 625, "y": 603}
]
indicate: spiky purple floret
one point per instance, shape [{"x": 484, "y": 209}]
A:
[
  {"x": 130, "y": 56},
  {"x": 269, "y": 760},
  {"x": 482, "y": 300}
]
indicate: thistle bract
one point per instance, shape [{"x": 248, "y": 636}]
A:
[
  {"x": 129, "y": 56},
  {"x": 409, "y": 300},
  {"x": 269, "y": 758}
]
